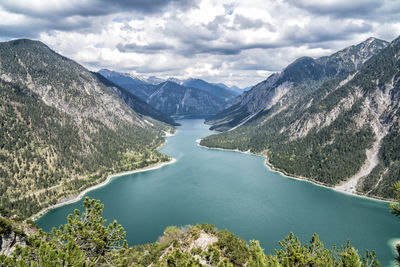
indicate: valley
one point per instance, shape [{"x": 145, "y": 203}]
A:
[
  {"x": 68, "y": 132},
  {"x": 200, "y": 133},
  {"x": 332, "y": 130},
  {"x": 237, "y": 192}
]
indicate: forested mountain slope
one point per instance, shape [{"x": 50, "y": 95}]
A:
[
  {"x": 215, "y": 90},
  {"x": 137, "y": 104},
  {"x": 298, "y": 79},
  {"x": 177, "y": 100},
  {"x": 347, "y": 128},
  {"x": 175, "y": 97},
  {"x": 62, "y": 130},
  {"x": 139, "y": 87}
]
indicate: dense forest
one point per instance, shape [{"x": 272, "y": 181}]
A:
[
  {"x": 62, "y": 130},
  {"x": 324, "y": 134},
  {"x": 86, "y": 240},
  {"x": 42, "y": 151}
]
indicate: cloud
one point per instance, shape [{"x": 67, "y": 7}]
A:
[
  {"x": 373, "y": 10},
  {"x": 246, "y": 23},
  {"x": 66, "y": 8},
  {"x": 74, "y": 15},
  {"x": 339, "y": 8},
  {"x": 229, "y": 41},
  {"x": 150, "y": 48},
  {"x": 324, "y": 29}
]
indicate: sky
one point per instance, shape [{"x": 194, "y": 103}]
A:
[{"x": 234, "y": 42}]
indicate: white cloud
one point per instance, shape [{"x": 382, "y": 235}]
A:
[{"x": 235, "y": 42}]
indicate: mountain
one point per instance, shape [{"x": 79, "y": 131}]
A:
[
  {"x": 344, "y": 133},
  {"x": 138, "y": 86},
  {"x": 177, "y": 100},
  {"x": 175, "y": 80},
  {"x": 175, "y": 97},
  {"x": 301, "y": 77},
  {"x": 137, "y": 104},
  {"x": 62, "y": 130},
  {"x": 212, "y": 89},
  {"x": 234, "y": 88},
  {"x": 154, "y": 80}
]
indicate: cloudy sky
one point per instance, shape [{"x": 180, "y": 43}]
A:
[{"x": 235, "y": 42}]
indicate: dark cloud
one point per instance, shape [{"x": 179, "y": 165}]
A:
[
  {"x": 217, "y": 24},
  {"x": 245, "y": 23},
  {"x": 224, "y": 48},
  {"x": 149, "y": 6},
  {"x": 319, "y": 32},
  {"x": 32, "y": 27},
  {"x": 338, "y": 8},
  {"x": 147, "y": 49},
  {"x": 92, "y": 7},
  {"x": 324, "y": 31},
  {"x": 377, "y": 10},
  {"x": 65, "y": 15}
]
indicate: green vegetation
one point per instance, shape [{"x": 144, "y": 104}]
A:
[
  {"x": 41, "y": 150},
  {"x": 328, "y": 155},
  {"x": 395, "y": 208},
  {"x": 61, "y": 130},
  {"x": 86, "y": 240},
  {"x": 323, "y": 133}
]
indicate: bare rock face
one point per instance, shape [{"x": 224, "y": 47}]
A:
[
  {"x": 8, "y": 243},
  {"x": 302, "y": 76}
]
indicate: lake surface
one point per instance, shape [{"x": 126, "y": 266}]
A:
[{"x": 237, "y": 192}]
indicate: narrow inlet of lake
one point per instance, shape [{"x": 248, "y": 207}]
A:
[{"x": 237, "y": 192}]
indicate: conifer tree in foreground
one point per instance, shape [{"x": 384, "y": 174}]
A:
[{"x": 85, "y": 240}]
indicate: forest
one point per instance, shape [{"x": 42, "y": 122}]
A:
[{"x": 87, "y": 240}]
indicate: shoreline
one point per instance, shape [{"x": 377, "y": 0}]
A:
[
  {"x": 299, "y": 178},
  {"x": 78, "y": 197}
]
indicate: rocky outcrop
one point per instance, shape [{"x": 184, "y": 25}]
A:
[{"x": 8, "y": 242}]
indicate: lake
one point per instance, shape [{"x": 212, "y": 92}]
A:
[{"x": 237, "y": 192}]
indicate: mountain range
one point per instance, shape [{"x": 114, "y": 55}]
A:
[
  {"x": 175, "y": 97},
  {"x": 136, "y": 103},
  {"x": 303, "y": 76},
  {"x": 333, "y": 120}
]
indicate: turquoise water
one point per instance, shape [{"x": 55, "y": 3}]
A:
[{"x": 237, "y": 192}]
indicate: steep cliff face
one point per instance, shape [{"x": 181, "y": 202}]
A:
[
  {"x": 299, "y": 78},
  {"x": 8, "y": 242},
  {"x": 13, "y": 233},
  {"x": 343, "y": 132},
  {"x": 61, "y": 129}
]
